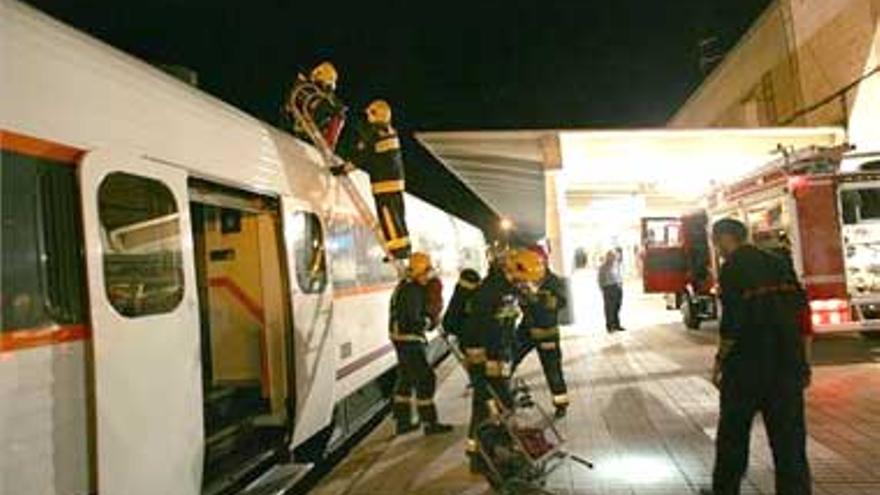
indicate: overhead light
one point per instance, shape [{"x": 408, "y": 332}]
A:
[{"x": 506, "y": 224}]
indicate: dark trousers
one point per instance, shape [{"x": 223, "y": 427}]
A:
[
  {"x": 486, "y": 388},
  {"x": 414, "y": 374},
  {"x": 392, "y": 217},
  {"x": 550, "y": 354},
  {"x": 613, "y": 299},
  {"x": 782, "y": 407}
]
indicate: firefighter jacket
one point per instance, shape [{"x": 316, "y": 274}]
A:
[
  {"x": 410, "y": 316},
  {"x": 763, "y": 304},
  {"x": 378, "y": 153},
  {"x": 492, "y": 320},
  {"x": 541, "y": 309},
  {"x": 460, "y": 303}
]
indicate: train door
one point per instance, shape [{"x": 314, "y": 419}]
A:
[
  {"x": 145, "y": 320},
  {"x": 245, "y": 332},
  {"x": 664, "y": 266},
  {"x": 304, "y": 237}
]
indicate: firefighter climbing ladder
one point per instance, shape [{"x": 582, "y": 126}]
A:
[{"x": 332, "y": 160}]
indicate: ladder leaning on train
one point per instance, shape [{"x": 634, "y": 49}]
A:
[{"x": 307, "y": 98}]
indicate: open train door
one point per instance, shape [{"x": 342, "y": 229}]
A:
[
  {"x": 311, "y": 293},
  {"x": 145, "y": 326},
  {"x": 664, "y": 264}
]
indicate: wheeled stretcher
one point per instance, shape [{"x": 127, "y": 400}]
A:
[{"x": 519, "y": 444}]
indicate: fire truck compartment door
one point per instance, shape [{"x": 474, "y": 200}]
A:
[{"x": 664, "y": 261}]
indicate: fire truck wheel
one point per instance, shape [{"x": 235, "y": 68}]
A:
[{"x": 690, "y": 313}]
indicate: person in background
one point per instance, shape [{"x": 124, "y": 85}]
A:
[
  {"x": 762, "y": 364},
  {"x": 611, "y": 283}
]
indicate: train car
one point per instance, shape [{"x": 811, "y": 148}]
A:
[{"x": 189, "y": 302}]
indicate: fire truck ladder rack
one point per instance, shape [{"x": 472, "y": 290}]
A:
[
  {"x": 332, "y": 160},
  {"x": 805, "y": 160}
]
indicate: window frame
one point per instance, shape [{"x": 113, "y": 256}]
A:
[
  {"x": 178, "y": 266},
  {"x": 310, "y": 221}
]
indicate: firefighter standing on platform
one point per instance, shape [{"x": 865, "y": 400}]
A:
[
  {"x": 762, "y": 363},
  {"x": 410, "y": 318},
  {"x": 542, "y": 300},
  {"x": 315, "y": 95},
  {"x": 460, "y": 304},
  {"x": 488, "y": 340}
]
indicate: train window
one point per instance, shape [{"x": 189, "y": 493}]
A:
[
  {"x": 860, "y": 205},
  {"x": 60, "y": 252},
  {"x": 311, "y": 266},
  {"x": 342, "y": 246},
  {"x": 143, "y": 272},
  {"x": 40, "y": 268}
]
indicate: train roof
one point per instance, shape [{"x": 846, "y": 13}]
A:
[{"x": 65, "y": 86}]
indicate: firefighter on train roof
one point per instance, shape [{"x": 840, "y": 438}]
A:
[
  {"x": 542, "y": 298},
  {"x": 378, "y": 153},
  {"x": 411, "y": 316},
  {"x": 315, "y": 96}
]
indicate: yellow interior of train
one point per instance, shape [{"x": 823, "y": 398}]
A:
[{"x": 245, "y": 321}]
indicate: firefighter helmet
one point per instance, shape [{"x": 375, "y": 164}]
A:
[
  {"x": 325, "y": 74},
  {"x": 379, "y": 112},
  {"x": 419, "y": 264},
  {"x": 525, "y": 265}
]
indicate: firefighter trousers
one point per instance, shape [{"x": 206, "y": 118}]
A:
[
  {"x": 392, "y": 217},
  {"x": 550, "y": 354},
  {"x": 414, "y": 375},
  {"x": 782, "y": 407},
  {"x": 487, "y": 388}
]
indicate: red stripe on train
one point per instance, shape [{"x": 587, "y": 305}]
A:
[
  {"x": 27, "y": 338},
  {"x": 39, "y": 148}
]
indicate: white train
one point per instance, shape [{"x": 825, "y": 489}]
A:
[{"x": 186, "y": 296}]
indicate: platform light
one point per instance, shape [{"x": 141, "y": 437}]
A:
[{"x": 506, "y": 224}]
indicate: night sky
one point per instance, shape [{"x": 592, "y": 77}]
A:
[
  {"x": 482, "y": 64},
  {"x": 443, "y": 65}
]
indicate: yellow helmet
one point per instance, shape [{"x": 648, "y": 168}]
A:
[
  {"x": 420, "y": 264},
  {"x": 325, "y": 74},
  {"x": 379, "y": 112},
  {"x": 525, "y": 265}
]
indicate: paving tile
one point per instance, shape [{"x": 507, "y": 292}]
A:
[{"x": 644, "y": 411}]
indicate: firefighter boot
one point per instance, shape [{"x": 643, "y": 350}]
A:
[
  {"x": 476, "y": 463},
  {"x": 404, "y": 427},
  {"x": 437, "y": 428},
  {"x": 561, "y": 411}
]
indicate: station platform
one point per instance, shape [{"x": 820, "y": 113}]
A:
[{"x": 644, "y": 411}]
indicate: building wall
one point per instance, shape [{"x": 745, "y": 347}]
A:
[{"x": 792, "y": 68}]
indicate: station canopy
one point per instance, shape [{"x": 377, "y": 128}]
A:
[{"x": 507, "y": 168}]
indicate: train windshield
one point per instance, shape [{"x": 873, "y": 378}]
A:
[{"x": 860, "y": 211}]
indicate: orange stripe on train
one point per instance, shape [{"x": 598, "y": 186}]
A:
[
  {"x": 27, "y": 338},
  {"x": 39, "y": 148}
]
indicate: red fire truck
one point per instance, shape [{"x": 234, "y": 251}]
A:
[{"x": 802, "y": 206}]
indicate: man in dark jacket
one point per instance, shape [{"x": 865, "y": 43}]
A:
[
  {"x": 459, "y": 305},
  {"x": 410, "y": 318},
  {"x": 377, "y": 152},
  {"x": 761, "y": 364},
  {"x": 542, "y": 301}
]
